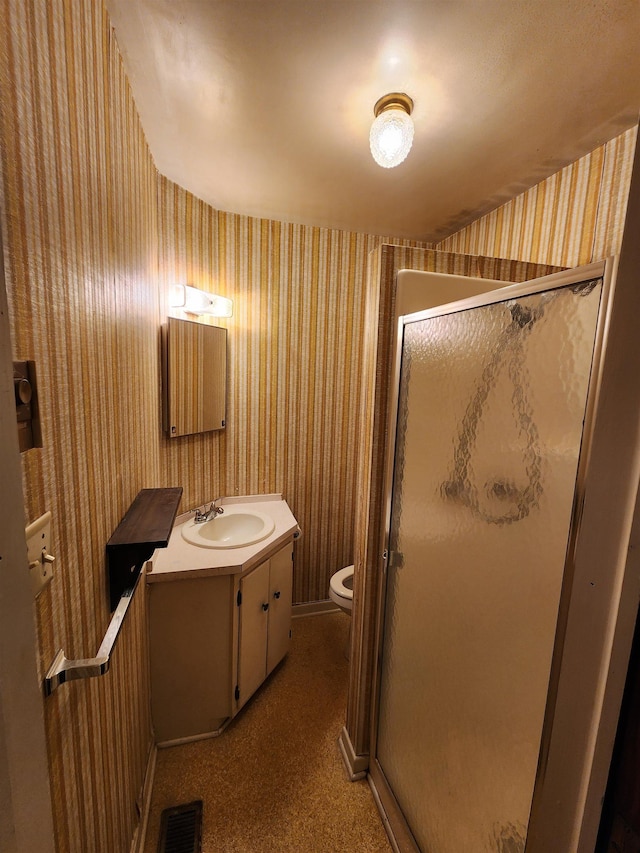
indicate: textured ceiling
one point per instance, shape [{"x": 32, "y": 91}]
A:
[{"x": 263, "y": 108}]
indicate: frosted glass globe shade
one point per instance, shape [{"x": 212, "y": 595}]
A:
[{"x": 391, "y": 137}]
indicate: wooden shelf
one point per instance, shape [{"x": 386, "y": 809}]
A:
[{"x": 146, "y": 526}]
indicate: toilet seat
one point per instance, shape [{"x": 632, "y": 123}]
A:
[{"x": 341, "y": 588}]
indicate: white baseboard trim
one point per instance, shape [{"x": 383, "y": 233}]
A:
[
  {"x": 383, "y": 815},
  {"x": 314, "y": 608},
  {"x": 356, "y": 765},
  {"x": 179, "y": 741},
  {"x": 140, "y": 835}
]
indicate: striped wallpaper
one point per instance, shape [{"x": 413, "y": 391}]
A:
[
  {"x": 573, "y": 217},
  {"x": 78, "y": 200},
  {"x": 294, "y": 370},
  {"x": 93, "y": 237}
]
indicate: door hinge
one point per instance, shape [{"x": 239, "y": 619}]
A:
[
  {"x": 239, "y": 598},
  {"x": 395, "y": 559},
  {"x": 237, "y": 693}
]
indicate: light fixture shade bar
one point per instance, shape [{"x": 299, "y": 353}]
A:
[
  {"x": 391, "y": 137},
  {"x": 195, "y": 301}
]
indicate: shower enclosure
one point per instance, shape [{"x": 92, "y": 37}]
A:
[{"x": 492, "y": 425}]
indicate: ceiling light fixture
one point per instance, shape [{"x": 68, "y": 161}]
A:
[
  {"x": 392, "y": 129},
  {"x": 195, "y": 301}
]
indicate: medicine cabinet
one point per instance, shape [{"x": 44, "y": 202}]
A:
[{"x": 194, "y": 359}]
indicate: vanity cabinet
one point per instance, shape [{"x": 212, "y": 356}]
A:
[
  {"x": 264, "y": 601},
  {"x": 213, "y": 641}
]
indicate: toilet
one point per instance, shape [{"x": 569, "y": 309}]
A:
[
  {"x": 341, "y": 593},
  {"x": 341, "y": 588}
]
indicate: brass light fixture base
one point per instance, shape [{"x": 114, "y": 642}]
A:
[{"x": 393, "y": 101}]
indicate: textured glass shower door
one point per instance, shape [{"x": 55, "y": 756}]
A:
[{"x": 490, "y": 419}]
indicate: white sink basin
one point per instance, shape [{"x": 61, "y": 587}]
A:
[{"x": 232, "y": 529}]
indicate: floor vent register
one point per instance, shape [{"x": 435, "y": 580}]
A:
[{"x": 181, "y": 829}]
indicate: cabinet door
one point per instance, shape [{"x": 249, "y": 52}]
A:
[
  {"x": 190, "y": 633},
  {"x": 254, "y": 617},
  {"x": 280, "y": 592}
]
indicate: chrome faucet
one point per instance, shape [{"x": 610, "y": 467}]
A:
[{"x": 206, "y": 515}]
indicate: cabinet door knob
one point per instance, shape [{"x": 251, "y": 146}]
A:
[
  {"x": 276, "y": 594},
  {"x": 265, "y": 606}
]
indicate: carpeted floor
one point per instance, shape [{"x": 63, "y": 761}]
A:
[{"x": 274, "y": 781}]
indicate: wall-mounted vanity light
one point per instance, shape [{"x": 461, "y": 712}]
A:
[
  {"x": 391, "y": 133},
  {"x": 195, "y": 301}
]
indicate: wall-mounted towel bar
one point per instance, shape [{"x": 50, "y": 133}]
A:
[
  {"x": 62, "y": 669},
  {"x": 146, "y": 526}
]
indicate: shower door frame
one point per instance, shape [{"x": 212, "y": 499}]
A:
[{"x": 580, "y": 795}]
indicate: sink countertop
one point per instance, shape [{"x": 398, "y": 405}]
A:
[{"x": 182, "y": 560}]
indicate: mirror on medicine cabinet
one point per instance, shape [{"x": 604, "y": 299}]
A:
[{"x": 194, "y": 357}]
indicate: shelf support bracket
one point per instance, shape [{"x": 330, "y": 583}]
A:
[{"x": 146, "y": 526}]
